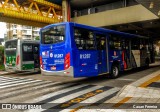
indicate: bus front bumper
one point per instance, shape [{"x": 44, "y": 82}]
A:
[{"x": 67, "y": 72}]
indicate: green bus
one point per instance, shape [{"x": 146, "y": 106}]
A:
[{"x": 21, "y": 55}]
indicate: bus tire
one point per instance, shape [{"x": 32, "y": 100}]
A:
[{"x": 114, "y": 71}]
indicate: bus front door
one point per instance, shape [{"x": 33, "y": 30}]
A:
[
  {"x": 36, "y": 56},
  {"x": 102, "y": 53}
]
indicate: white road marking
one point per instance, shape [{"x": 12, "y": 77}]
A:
[{"x": 65, "y": 98}]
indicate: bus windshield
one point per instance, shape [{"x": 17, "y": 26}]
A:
[
  {"x": 53, "y": 34},
  {"x": 11, "y": 44}
]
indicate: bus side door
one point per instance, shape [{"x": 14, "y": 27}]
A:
[
  {"x": 36, "y": 55},
  {"x": 101, "y": 43}
]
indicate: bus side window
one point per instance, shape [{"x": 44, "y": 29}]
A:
[
  {"x": 90, "y": 43},
  {"x": 84, "y": 39},
  {"x": 144, "y": 44},
  {"x": 101, "y": 41},
  {"x": 135, "y": 44},
  {"x": 115, "y": 43}
]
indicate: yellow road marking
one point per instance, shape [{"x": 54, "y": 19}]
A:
[
  {"x": 122, "y": 101},
  {"x": 145, "y": 84},
  {"x": 81, "y": 98},
  {"x": 154, "y": 79}
]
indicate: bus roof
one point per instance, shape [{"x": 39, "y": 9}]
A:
[{"x": 96, "y": 29}]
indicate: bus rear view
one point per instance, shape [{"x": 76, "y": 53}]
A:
[
  {"x": 10, "y": 54},
  {"x": 55, "y": 52}
]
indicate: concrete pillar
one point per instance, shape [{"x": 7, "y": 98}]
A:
[
  {"x": 64, "y": 10},
  {"x": 66, "y": 13}
]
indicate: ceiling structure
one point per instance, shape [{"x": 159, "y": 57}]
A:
[
  {"x": 82, "y": 4},
  {"x": 146, "y": 28},
  {"x": 152, "y": 5}
]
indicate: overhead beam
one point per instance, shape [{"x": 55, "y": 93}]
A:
[
  {"x": 39, "y": 11},
  {"x": 124, "y": 15}
]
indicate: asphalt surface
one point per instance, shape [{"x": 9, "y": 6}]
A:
[
  {"x": 57, "y": 92},
  {"x": 125, "y": 78}
]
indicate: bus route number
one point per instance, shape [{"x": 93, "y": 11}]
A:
[
  {"x": 58, "y": 55},
  {"x": 85, "y": 56}
]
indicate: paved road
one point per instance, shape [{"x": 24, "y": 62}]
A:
[
  {"x": 125, "y": 78},
  {"x": 52, "y": 94},
  {"x": 52, "y": 91}
]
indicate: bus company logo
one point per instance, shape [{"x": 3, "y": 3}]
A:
[
  {"x": 51, "y": 55},
  {"x": 45, "y": 54}
]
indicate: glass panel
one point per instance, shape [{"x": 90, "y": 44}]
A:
[
  {"x": 53, "y": 35},
  {"x": 27, "y": 48},
  {"x": 11, "y": 44},
  {"x": 84, "y": 39},
  {"x": 115, "y": 42},
  {"x": 27, "y": 52}
]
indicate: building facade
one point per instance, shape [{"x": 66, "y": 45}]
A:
[{"x": 22, "y": 31}]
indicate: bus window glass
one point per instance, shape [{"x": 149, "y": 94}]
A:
[
  {"x": 125, "y": 43},
  {"x": 144, "y": 44},
  {"x": 27, "y": 52},
  {"x": 101, "y": 41},
  {"x": 84, "y": 39},
  {"x": 27, "y": 48},
  {"x": 135, "y": 44},
  {"x": 115, "y": 42},
  {"x": 53, "y": 35},
  {"x": 11, "y": 44}
]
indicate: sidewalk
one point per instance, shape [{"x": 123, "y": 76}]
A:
[{"x": 140, "y": 96}]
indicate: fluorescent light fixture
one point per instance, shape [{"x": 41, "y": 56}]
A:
[{"x": 151, "y": 5}]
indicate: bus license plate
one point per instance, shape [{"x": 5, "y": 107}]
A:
[{"x": 53, "y": 68}]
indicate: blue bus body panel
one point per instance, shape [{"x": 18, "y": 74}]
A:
[
  {"x": 115, "y": 55},
  {"x": 85, "y": 63},
  {"x": 52, "y": 57},
  {"x": 102, "y": 61}
]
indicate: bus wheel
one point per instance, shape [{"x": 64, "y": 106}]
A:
[{"x": 114, "y": 71}]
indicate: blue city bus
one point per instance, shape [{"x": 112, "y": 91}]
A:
[{"x": 71, "y": 49}]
